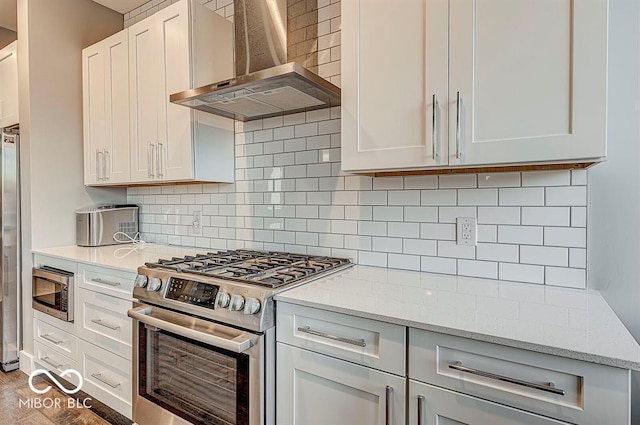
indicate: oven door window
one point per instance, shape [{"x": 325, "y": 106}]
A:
[
  {"x": 47, "y": 292},
  {"x": 198, "y": 382}
]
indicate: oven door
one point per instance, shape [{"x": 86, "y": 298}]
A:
[{"x": 189, "y": 370}]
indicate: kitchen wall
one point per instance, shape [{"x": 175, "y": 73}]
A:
[{"x": 291, "y": 195}]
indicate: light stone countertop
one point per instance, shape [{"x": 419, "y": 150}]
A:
[
  {"x": 125, "y": 257},
  {"x": 571, "y": 323}
]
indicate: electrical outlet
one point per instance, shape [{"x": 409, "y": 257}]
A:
[
  {"x": 467, "y": 233},
  {"x": 196, "y": 224}
]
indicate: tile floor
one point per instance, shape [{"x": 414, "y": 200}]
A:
[{"x": 14, "y": 387}]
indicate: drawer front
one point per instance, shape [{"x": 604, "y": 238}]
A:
[
  {"x": 437, "y": 406},
  {"x": 47, "y": 358},
  {"x": 103, "y": 321},
  {"x": 55, "y": 338},
  {"x": 106, "y": 281},
  {"x": 593, "y": 394},
  {"x": 363, "y": 341},
  {"x": 106, "y": 377}
]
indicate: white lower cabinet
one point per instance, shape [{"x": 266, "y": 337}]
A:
[
  {"x": 429, "y": 405},
  {"x": 314, "y": 389}
]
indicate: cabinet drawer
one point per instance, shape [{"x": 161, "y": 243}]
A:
[
  {"x": 106, "y": 377},
  {"x": 107, "y": 281},
  {"x": 45, "y": 357},
  {"x": 440, "y": 406},
  {"x": 103, "y": 321},
  {"x": 55, "y": 338},
  {"x": 592, "y": 394},
  {"x": 367, "y": 342}
]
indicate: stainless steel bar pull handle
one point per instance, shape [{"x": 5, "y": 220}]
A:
[
  {"x": 99, "y": 377},
  {"x": 149, "y": 162},
  {"x": 51, "y": 339},
  {"x": 421, "y": 401},
  {"x": 97, "y": 164},
  {"x": 105, "y": 282},
  {"x": 50, "y": 363},
  {"x": 105, "y": 324},
  {"x": 387, "y": 407},
  {"x": 353, "y": 341},
  {"x": 549, "y": 387},
  {"x": 105, "y": 164},
  {"x": 159, "y": 159},
  {"x": 458, "y": 123},
  {"x": 434, "y": 127}
]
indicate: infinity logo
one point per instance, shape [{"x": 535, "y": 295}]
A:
[{"x": 55, "y": 381}]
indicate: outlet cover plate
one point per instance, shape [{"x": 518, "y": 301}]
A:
[{"x": 467, "y": 231}]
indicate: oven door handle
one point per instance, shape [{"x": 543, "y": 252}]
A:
[{"x": 241, "y": 342}]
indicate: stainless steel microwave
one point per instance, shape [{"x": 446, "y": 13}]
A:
[{"x": 53, "y": 292}]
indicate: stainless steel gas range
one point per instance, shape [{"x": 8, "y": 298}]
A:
[{"x": 204, "y": 336}]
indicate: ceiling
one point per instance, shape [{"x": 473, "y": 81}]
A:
[{"x": 8, "y": 10}]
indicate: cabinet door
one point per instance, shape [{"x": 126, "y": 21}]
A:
[
  {"x": 390, "y": 81},
  {"x": 9, "y": 85},
  {"x": 94, "y": 111},
  {"x": 117, "y": 153},
  {"x": 527, "y": 81},
  {"x": 430, "y": 405},
  {"x": 314, "y": 389},
  {"x": 174, "y": 151},
  {"x": 143, "y": 77}
]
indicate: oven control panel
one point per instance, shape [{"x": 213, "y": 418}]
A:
[{"x": 192, "y": 292}]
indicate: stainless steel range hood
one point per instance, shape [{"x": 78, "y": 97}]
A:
[{"x": 269, "y": 80}]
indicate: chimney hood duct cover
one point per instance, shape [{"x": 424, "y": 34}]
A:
[{"x": 265, "y": 84}]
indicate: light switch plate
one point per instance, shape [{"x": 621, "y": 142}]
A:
[
  {"x": 196, "y": 225},
  {"x": 467, "y": 233}
]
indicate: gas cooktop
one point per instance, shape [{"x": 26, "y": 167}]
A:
[{"x": 266, "y": 268}]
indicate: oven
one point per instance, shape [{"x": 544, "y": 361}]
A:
[
  {"x": 52, "y": 292},
  {"x": 191, "y": 370}
]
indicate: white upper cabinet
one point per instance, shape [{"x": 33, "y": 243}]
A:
[
  {"x": 460, "y": 83},
  {"x": 9, "y": 85},
  {"x": 105, "y": 80},
  {"x": 169, "y": 52}
]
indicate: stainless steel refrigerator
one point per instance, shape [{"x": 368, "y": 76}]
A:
[{"x": 10, "y": 337}]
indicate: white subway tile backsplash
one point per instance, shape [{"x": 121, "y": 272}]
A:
[
  {"x": 546, "y": 178},
  {"x": 458, "y": 181},
  {"x": 478, "y": 197},
  {"x": 522, "y": 196},
  {"x": 562, "y": 236},
  {"x": 569, "y": 278},
  {"x": 545, "y": 216},
  {"x": 497, "y": 252},
  {"x": 290, "y": 194},
  {"x": 567, "y": 196},
  {"x": 543, "y": 255},
  {"x": 521, "y": 272}
]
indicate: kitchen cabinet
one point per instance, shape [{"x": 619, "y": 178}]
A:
[
  {"x": 431, "y": 405},
  {"x": 9, "y": 85},
  {"x": 169, "y": 52},
  {"x": 105, "y": 79},
  {"x": 461, "y": 84},
  {"x": 338, "y": 369},
  {"x": 480, "y": 383}
]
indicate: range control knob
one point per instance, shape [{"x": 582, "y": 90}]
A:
[
  {"x": 222, "y": 300},
  {"x": 252, "y": 306},
  {"x": 154, "y": 284},
  {"x": 236, "y": 303},
  {"x": 141, "y": 281}
]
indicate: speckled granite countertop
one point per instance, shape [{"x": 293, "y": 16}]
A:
[{"x": 571, "y": 323}]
